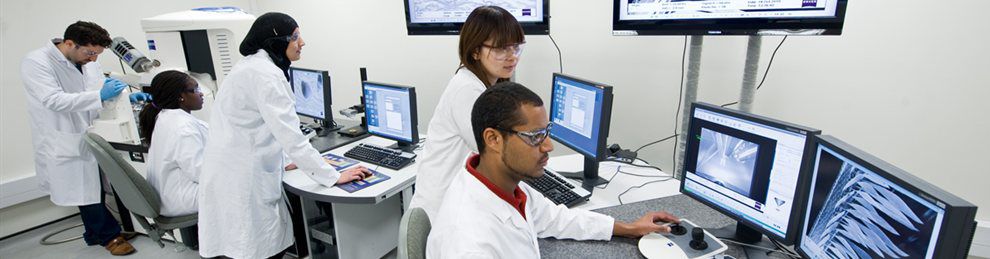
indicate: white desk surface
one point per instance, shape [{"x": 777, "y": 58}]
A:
[
  {"x": 302, "y": 185},
  {"x": 608, "y": 196},
  {"x": 602, "y": 196}
]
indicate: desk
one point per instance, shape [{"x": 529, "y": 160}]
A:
[
  {"x": 363, "y": 224},
  {"x": 657, "y": 196}
]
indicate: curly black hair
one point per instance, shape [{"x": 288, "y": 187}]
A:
[{"x": 86, "y": 34}]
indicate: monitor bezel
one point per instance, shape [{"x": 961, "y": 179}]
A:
[
  {"x": 327, "y": 101},
  {"x": 729, "y": 26},
  {"x": 529, "y": 28},
  {"x": 604, "y": 122},
  {"x": 414, "y": 113},
  {"x": 794, "y": 223},
  {"x": 957, "y": 210}
]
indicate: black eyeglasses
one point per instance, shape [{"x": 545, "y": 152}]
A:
[{"x": 533, "y": 138}]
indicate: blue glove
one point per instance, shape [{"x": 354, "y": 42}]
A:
[
  {"x": 111, "y": 88},
  {"x": 140, "y": 96}
]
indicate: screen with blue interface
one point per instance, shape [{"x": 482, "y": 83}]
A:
[
  {"x": 576, "y": 112},
  {"x": 857, "y": 213},
  {"x": 388, "y": 110},
  {"x": 456, "y": 11},
  {"x": 724, "y": 9},
  {"x": 745, "y": 167},
  {"x": 308, "y": 87}
]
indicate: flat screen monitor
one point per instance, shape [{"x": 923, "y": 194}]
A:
[
  {"x": 580, "y": 112},
  {"x": 391, "y": 113},
  {"x": 863, "y": 207},
  {"x": 748, "y": 167},
  {"x": 441, "y": 17},
  {"x": 728, "y": 17},
  {"x": 311, "y": 89}
]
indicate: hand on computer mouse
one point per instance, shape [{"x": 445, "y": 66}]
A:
[
  {"x": 645, "y": 225},
  {"x": 353, "y": 174}
]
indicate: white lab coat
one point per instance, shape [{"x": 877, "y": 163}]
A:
[
  {"x": 62, "y": 103},
  {"x": 174, "y": 160},
  {"x": 253, "y": 122},
  {"x": 450, "y": 141},
  {"x": 475, "y": 223}
]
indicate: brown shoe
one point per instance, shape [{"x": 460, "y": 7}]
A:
[
  {"x": 119, "y": 246},
  {"x": 128, "y": 235}
]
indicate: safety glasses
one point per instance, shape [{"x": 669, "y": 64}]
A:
[
  {"x": 533, "y": 138},
  {"x": 503, "y": 53}
]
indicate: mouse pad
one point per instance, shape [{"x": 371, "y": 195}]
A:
[{"x": 375, "y": 178}]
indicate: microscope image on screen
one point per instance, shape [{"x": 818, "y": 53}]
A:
[
  {"x": 727, "y": 161},
  {"x": 857, "y": 214},
  {"x": 308, "y": 91}
]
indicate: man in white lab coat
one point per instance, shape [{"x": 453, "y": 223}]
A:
[
  {"x": 488, "y": 213},
  {"x": 64, "y": 95}
]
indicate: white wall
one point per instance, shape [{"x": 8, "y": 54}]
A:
[
  {"x": 913, "y": 91},
  {"x": 24, "y": 26},
  {"x": 910, "y": 90}
]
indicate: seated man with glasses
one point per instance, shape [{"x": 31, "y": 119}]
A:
[{"x": 489, "y": 213}]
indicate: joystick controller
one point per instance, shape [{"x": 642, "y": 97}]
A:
[
  {"x": 678, "y": 244},
  {"x": 698, "y": 239},
  {"x": 677, "y": 229}
]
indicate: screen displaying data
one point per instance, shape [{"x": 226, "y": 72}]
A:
[
  {"x": 745, "y": 167},
  {"x": 630, "y": 10},
  {"x": 576, "y": 112},
  {"x": 456, "y": 11},
  {"x": 857, "y": 213},
  {"x": 389, "y": 111},
  {"x": 308, "y": 87}
]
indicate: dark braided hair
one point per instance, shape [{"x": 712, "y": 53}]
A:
[{"x": 166, "y": 90}]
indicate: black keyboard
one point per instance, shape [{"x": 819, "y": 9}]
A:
[
  {"x": 558, "y": 190},
  {"x": 387, "y": 157}
]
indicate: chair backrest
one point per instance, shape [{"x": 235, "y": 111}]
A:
[
  {"x": 133, "y": 190},
  {"x": 414, "y": 228}
]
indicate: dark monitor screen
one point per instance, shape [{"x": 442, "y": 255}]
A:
[
  {"x": 750, "y": 168},
  {"x": 432, "y": 17},
  {"x": 728, "y": 17},
  {"x": 391, "y": 111},
  {"x": 311, "y": 89},
  {"x": 580, "y": 112},
  {"x": 862, "y": 207}
]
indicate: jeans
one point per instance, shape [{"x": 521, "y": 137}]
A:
[{"x": 100, "y": 226}]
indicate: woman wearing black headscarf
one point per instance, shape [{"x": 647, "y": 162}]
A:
[{"x": 253, "y": 123}]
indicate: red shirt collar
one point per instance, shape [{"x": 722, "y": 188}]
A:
[{"x": 517, "y": 201}]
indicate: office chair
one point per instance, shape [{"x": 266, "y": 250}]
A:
[
  {"x": 135, "y": 192},
  {"x": 413, "y": 230}
]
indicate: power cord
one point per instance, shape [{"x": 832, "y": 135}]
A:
[
  {"x": 641, "y": 186},
  {"x": 768, "y": 249},
  {"x": 560, "y": 57},
  {"x": 765, "y": 72}
]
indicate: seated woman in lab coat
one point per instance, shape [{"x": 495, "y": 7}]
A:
[
  {"x": 491, "y": 41},
  {"x": 488, "y": 213},
  {"x": 177, "y": 140}
]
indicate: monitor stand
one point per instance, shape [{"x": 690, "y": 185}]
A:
[
  {"x": 747, "y": 235},
  {"x": 326, "y": 126},
  {"x": 405, "y": 147},
  {"x": 589, "y": 177}
]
